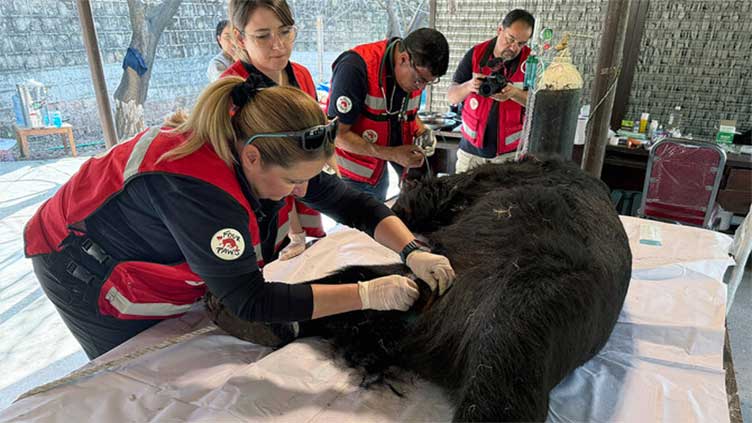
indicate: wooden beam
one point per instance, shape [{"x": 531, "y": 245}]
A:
[
  {"x": 638, "y": 12},
  {"x": 431, "y": 24},
  {"x": 605, "y": 79},
  {"x": 97, "y": 74}
]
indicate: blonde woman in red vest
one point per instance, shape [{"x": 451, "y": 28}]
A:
[
  {"x": 492, "y": 126},
  {"x": 375, "y": 94},
  {"x": 264, "y": 32},
  {"x": 141, "y": 233}
]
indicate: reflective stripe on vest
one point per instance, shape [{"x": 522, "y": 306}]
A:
[
  {"x": 125, "y": 306},
  {"x": 512, "y": 138},
  {"x": 469, "y": 131},
  {"x": 139, "y": 152},
  {"x": 377, "y": 103},
  {"x": 282, "y": 232},
  {"x": 355, "y": 168},
  {"x": 414, "y": 103},
  {"x": 309, "y": 221}
]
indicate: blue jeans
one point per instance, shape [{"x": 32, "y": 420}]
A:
[{"x": 378, "y": 190}]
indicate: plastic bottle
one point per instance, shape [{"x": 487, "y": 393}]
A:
[
  {"x": 652, "y": 129},
  {"x": 531, "y": 71},
  {"x": 45, "y": 113},
  {"x": 35, "y": 119},
  {"x": 18, "y": 111},
  {"x": 673, "y": 126},
  {"x": 57, "y": 119},
  {"x": 644, "y": 122}
]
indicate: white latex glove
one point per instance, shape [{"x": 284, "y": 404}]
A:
[
  {"x": 432, "y": 268},
  {"x": 426, "y": 141},
  {"x": 393, "y": 292},
  {"x": 295, "y": 247}
]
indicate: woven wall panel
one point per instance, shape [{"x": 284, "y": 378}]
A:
[
  {"x": 466, "y": 23},
  {"x": 696, "y": 54}
]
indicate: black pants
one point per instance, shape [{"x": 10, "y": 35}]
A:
[{"x": 72, "y": 279}]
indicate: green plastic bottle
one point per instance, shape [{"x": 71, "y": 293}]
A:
[{"x": 531, "y": 71}]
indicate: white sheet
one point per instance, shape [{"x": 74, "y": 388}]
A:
[{"x": 662, "y": 363}]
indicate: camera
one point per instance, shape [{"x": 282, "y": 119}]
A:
[{"x": 494, "y": 82}]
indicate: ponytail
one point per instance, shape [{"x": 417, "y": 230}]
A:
[
  {"x": 217, "y": 119},
  {"x": 209, "y": 122}
]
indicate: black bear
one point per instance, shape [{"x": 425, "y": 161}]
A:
[{"x": 543, "y": 265}]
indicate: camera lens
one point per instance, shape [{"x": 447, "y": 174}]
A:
[{"x": 485, "y": 89}]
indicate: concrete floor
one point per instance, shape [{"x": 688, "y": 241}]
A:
[{"x": 35, "y": 346}]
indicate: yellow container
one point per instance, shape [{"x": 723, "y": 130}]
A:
[{"x": 644, "y": 122}]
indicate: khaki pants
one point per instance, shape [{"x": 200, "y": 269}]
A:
[{"x": 467, "y": 161}]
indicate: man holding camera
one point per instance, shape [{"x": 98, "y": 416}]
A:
[{"x": 488, "y": 83}]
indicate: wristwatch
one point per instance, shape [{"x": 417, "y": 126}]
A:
[{"x": 409, "y": 248}]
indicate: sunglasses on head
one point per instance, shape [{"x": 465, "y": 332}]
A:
[{"x": 309, "y": 139}]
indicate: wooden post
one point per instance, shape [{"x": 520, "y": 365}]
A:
[
  {"x": 432, "y": 4},
  {"x": 97, "y": 74},
  {"x": 638, "y": 11},
  {"x": 606, "y": 76}
]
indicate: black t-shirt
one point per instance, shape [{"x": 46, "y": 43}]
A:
[
  {"x": 168, "y": 219},
  {"x": 349, "y": 88},
  {"x": 253, "y": 70},
  {"x": 463, "y": 74}
]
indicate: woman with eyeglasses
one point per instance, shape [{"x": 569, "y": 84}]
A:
[
  {"x": 140, "y": 234},
  {"x": 264, "y": 32}
]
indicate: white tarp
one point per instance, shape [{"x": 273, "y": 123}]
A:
[{"x": 662, "y": 363}]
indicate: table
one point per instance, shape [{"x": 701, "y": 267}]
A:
[
  {"x": 65, "y": 132},
  {"x": 663, "y": 362},
  {"x": 624, "y": 169}
]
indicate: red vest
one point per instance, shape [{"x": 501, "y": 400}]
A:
[
  {"x": 373, "y": 124},
  {"x": 475, "y": 108},
  {"x": 302, "y": 76},
  {"x": 137, "y": 289},
  {"x": 310, "y": 219}
]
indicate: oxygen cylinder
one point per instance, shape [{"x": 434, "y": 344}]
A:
[{"x": 552, "y": 110}]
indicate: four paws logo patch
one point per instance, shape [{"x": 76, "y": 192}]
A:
[
  {"x": 227, "y": 244},
  {"x": 344, "y": 104},
  {"x": 370, "y": 135}
]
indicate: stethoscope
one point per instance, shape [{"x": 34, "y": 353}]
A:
[
  {"x": 403, "y": 109},
  {"x": 387, "y": 107}
]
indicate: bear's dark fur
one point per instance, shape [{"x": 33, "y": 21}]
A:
[{"x": 543, "y": 266}]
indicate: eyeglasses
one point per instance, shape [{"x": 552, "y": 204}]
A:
[
  {"x": 310, "y": 139},
  {"x": 419, "y": 80},
  {"x": 511, "y": 40},
  {"x": 265, "y": 38}
]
